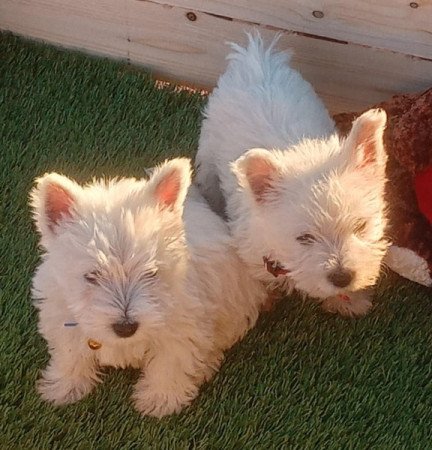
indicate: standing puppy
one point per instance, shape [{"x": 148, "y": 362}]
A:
[
  {"x": 130, "y": 278},
  {"x": 306, "y": 209}
]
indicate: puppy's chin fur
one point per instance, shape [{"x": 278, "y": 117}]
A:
[
  {"x": 127, "y": 252},
  {"x": 293, "y": 191}
]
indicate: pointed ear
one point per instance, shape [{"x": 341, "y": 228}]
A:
[
  {"x": 169, "y": 183},
  {"x": 53, "y": 200},
  {"x": 257, "y": 170},
  {"x": 365, "y": 140}
]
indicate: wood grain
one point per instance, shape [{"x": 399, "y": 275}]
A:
[
  {"x": 97, "y": 26},
  {"x": 160, "y": 37},
  {"x": 385, "y": 24}
]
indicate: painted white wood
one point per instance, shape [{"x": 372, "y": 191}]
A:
[
  {"x": 163, "y": 39},
  {"x": 387, "y": 24},
  {"x": 98, "y": 26}
]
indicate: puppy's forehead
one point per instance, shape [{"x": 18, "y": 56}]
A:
[
  {"x": 122, "y": 254},
  {"x": 115, "y": 231},
  {"x": 325, "y": 201}
]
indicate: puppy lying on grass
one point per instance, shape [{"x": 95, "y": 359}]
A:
[{"x": 130, "y": 276}]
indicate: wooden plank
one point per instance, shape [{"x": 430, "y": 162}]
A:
[
  {"x": 385, "y": 24},
  {"x": 348, "y": 77},
  {"x": 97, "y": 26}
]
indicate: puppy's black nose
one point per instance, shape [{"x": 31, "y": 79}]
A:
[
  {"x": 125, "y": 329},
  {"x": 341, "y": 277}
]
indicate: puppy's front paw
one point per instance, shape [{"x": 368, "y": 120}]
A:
[
  {"x": 353, "y": 304},
  {"x": 151, "y": 400},
  {"x": 64, "y": 390}
]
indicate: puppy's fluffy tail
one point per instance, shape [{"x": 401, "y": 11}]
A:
[
  {"x": 265, "y": 99},
  {"x": 257, "y": 64}
]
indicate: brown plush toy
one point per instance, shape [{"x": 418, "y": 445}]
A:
[{"x": 408, "y": 140}]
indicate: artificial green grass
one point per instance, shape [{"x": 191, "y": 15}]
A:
[{"x": 301, "y": 379}]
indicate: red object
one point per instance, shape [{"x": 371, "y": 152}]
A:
[
  {"x": 344, "y": 297},
  {"x": 423, "y": 189}
]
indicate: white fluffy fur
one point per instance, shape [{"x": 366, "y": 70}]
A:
[
  {"x": 270, "y": 160},
  {"x": 174, "y": 272},
  {"x": 410, "y": 264}
]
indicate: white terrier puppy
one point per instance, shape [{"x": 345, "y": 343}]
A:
[
  {"x": 307, "y": 207},
  {"x": 127, "y": 279}
]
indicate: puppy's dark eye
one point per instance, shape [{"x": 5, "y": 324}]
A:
[
  {"x": 306, "y": 239},
  {"x": 93, "y": 277},
  {"x": 360, "y": 227}
]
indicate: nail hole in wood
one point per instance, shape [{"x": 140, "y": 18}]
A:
[
  {"x": 191, "y": 16},
  {"x": 318, "y": 14}
]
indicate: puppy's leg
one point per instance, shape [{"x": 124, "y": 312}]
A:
[
  {"x": 71, "y": 372},
  {"x": 172, "y": 379},
  {"x": 353, "y": 304}
]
